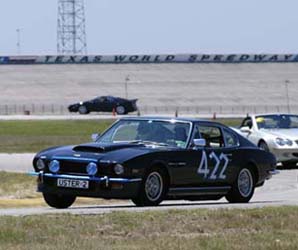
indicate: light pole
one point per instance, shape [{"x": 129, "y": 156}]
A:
[
  {"x": 127, "y": 79},
  {"x": 18, "y": 40},
  {"x": 287, "y": 95}
]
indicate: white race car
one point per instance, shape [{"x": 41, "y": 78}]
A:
[{"x": 277, "y": 133}]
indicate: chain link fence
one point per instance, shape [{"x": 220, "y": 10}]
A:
[{"x": 56, "y": 109}]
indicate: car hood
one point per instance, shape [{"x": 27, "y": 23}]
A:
[
  {"x": 284, "y": 133},
  {"x": 119, "y": 152}
]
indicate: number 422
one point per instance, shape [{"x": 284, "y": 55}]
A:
[{"x": 216, "y": 172}]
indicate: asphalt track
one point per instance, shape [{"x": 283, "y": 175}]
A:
[{"x": 281, "y": 190}]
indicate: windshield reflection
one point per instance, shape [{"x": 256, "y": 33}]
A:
[
  {"x": 161, "y": 133},
  {"x": 277, "y": 121}
]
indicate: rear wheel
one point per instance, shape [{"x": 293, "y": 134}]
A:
[
  {"x": 83, "y": 110},
  {"x": 153, "y": 188},
  {"x": 59, "y": 201},
  {"x": 120, "y": 110},
  {"x": 243, "y": 188}
]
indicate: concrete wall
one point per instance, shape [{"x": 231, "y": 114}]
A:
[{"x": 252, "y": 85}]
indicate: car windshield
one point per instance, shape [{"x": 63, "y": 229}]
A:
[
  {"x": 161, "y": 133},
  {"x": 277, "y": 121}
]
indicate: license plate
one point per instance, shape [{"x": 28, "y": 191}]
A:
[{"x": 73, "y": 183}]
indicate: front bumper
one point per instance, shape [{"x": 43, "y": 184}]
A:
[
  {"x": 285, "y": 154},
  {"x": 101, "y": 187},
  {"x": 271, "y": 173}
]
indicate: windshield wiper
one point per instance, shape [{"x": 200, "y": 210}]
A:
[
  {"x": 155, "y": 143},
  {"x": 148, "y": 142}
]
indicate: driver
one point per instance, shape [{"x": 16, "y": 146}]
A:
[
  {"x": 151, "y": 131},
  {"x": 144, "y": 131},
  {"x": 285, "y": 122}
]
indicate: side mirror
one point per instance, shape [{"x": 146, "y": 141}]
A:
[
  {"x": 199, "y": 142},
  {"x": 94, "y": 137},
  {"x": 245, "y": 130}
]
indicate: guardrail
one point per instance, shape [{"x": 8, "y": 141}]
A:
[{"x": 56, "y": 109}]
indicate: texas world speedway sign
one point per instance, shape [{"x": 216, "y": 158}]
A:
[{"x": 180, "y": 58}]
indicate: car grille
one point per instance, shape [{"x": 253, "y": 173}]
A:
[
  {"x": 79, "y": 168},
  {"x": 70, "y": 167}
]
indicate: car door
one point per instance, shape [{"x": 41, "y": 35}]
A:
[
  {"x": 102, "y": 104},
  {"x": 111, "y": 103},
  {"x": 253, "y": 133},
  {"x": 214, "y": 163}
]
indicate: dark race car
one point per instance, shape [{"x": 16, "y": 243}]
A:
[
  {"x": 105, "y": 104},
  {"x": 149, "y": 160}
]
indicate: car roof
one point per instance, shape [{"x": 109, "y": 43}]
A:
[
  {"x": 268, "y": 114},
  {"x": 166, "y": 118}
]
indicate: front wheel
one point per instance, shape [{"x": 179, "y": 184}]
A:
[
  {"x": 59, "y": 201},
  {"x": 263, "y": 145},
  {"x": 243, "y": 188},
  {"x": 153, "y": 188},
  {"x": 289, "y": 165},
  {"x": 83, "y": 110},
  {"x": 120, "y": 110}
]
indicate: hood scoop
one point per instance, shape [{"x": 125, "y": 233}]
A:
[{"x": 100, "y": 148}]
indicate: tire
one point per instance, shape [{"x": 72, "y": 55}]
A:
[
  {"x": 58, "y": 201},
  {"x": 263, "y": 145},
  {"x": 289, "y": 165},
  {"x": 153, "y": 188},
  {"x": 83, "y": 110},
  {"x": 120, "y": 110},
  {"x": 243, "y": 188}
]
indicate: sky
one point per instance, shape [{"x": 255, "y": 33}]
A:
[{"x": 157, "y": 26}]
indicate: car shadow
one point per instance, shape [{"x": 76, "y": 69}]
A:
[
  {"x": 169, "y": 205},
  {"x": 286, "y": 168}
]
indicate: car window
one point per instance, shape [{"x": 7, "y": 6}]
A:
[
  {"x": 125, "y": 132},
  {"x": 294, "y": 121},
  {"x": 212, "y": 135},
  {"x": 231, "y": 139},
  {"x": 95, "y": 100},
  {"x": 110, "y": 98},
  {"x": 102, "y": 99},
  {"x": 277, "y": 121}
]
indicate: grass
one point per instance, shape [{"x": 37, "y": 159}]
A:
[
  {"x": 17, "y": 186},
  {"x": 268, "y": 228},
  {"x": 33, "y": 136},
  {"x": 19, "y": 190}
]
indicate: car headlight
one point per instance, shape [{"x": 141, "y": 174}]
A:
[
  {"x": 283, "y": 142},
  {"x": 289, "y": 142},
  {"x": 40, "y": 164},
  {"x": 92, "y": 168},
  {"x": 54, "y": 166},
  {"x": 118, "y": 169}
]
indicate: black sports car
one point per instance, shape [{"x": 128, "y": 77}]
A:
[
  {"x": 105, "y": 104},
  {"x": 149, "y": 160}
]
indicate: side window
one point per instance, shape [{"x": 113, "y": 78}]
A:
[
  {"x": 231, "y": 139},
  {"x": 247, "y": 122},
  {"x": 102, "y": 99},
  {"x": 110, "y": 99},
  {"x": 212, "y": 135},
  {"x": 96, "y": 100},
  {"x": 294, "y": 121}
]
